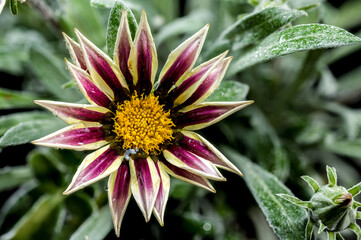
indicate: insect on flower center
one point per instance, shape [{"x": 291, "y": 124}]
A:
[{"x": 141, "y": 123}]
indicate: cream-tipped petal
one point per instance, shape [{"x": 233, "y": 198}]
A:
[
  {"x": 180, "y": 157},
  {"x": 102, "y": 69},
  {"x": 81, "y": 136},
  {"x": 122, "y": 48},
  {"x": 163, "y": 193},
  {"x": 119, "y": 194},
  {"x": 94, "y": 167},
  {"x": 75, "y": 52},
  {"x": 74, "y": 113},
  {"x": 180, "y": 61},
  {"x": 198, "y": 145},
  {"x": 144, "y": 183},
  {"x": 87, "y": 87},
  {"x": 143, "y": 60},
  {"x": 198, "y": 116}
]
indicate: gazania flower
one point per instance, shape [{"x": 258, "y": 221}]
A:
[{"x": 141, "y": 130}]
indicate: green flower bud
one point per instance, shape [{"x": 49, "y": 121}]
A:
[{"x": 332, "y": 205}]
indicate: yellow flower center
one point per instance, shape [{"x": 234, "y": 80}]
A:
[{"x": 141, "y": 123}]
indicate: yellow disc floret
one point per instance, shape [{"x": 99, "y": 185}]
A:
[{"x": 141, "y": 123}]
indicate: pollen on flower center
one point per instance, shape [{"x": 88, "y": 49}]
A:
[{"x": 141, "y": 123}]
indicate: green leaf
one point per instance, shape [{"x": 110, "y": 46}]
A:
[
  {"x": 286, "y": 219},
  {"x": 10, "y": 99},
  {"x": 114, "y": 21},
  {"x": 29, "y": 131},
  {"x": 294, "y": 39},
  {"x": 258, "y": 25},
  {"x": 51, "y": 72},
  {"x": 102, "y": 3},
  {"x": 32, "y": 222},
  {"x": 97, "y": 226},
  {"x": 346, "y": 148},
  {"x": 11, "y": 120},
  {"x": 331, "y": 175},
  {"x": 229, "y": 91},
  {"x": 11, "y": 177}
]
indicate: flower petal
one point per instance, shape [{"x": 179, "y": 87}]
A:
[
  {"x": 74, "y": 113},
  {"x": 75, "y": 52},
  {"x": 81, "y": 136},
  {"x": 143, "y": 60},
  {"x": 196, "y": 144},
  {"x": 163, "y": 194},
  {"x": 186, "y": 160},
  {"x": 102, "y": 69},
  {"x": 196, "y": 77},
  {"x": 198, "y": 116},
  {"x": 210, "y": 83},
  {"x": 88, "y": 88},
  {"x": 119, "y": 194},
  {"x": 180, "y": 61},
  {"x": 122, "y": 49},
  {"x": 144, "y": 184},
  {"x": 186, "y": 176},
  {"x": 94, "y": 167}
]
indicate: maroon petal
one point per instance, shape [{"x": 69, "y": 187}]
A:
[
  {"x": 162, "y": 197},
  {"x": 87, "y": 87},
  {"x": 119, "y": 194},
  {"x": 122, "y": 49},
  {"x": 75, "y": 52},
  {"x": 144, "y": 184},
  {"x": 102, "y": 69},
  {"x": 202, "y": 115},
  {"x": 74, "y": 113},
  {"x": 94, "y": 167},
  {"x": 181, "y": 61},
  {"x": 182, "y": 158},
  {"x": 196, "y": 144},
  {"x": 81, "y": 136},
  {"x": 185, "y": 175},
  {"x": 143, "y": 60}
]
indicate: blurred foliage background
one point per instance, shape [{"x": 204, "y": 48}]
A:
[{"x": 306, "y": 115}]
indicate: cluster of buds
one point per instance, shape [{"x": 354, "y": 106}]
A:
[{"x": 332, "y": 208}]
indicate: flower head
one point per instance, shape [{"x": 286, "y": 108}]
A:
[{"x": 141, "y": 130}]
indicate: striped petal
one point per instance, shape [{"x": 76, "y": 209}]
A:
[
  {"x": 180, "y": 61},
  {"x": 74, "y": 113},
  {"x": 81, "y": 136},
  {"x": 210, "y": 83},
  {"x": 196, "y": 144},
  {"x": 186, "y": 160},
  {"x": 193, "y": 80},
  {"x": 94, "y": 167},
  {"x": 119, "y": 194},
  {"x": 198, "y": 116},
  {"x": 143, "y": 60},
  {"x": 102, "y": 69},
  {"x": 122, "y": 49},
  {"x": 186, "y": 176},
  {"x": 163, "y": 193},
  {"x": 88, "y": 88},
  {"x": 75, "y": 52},
  {"x": 144, "y": 182}
]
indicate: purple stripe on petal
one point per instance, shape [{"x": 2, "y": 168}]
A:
[
  {"x": 193, "y": 162},
  {"x": 184, "y": 61},
  {"x": 95, "y": 168},
  {"x": 200, "y": 149},
  {"x": 201, "y": 115},
  {"x": 75, "y": 52},
  {"x": 88, "y": 87},
  {"x": 159, "y": 201},
  {"x": 77, "y": 137},
  {"x": 123, "y": 51},
  {"x": 121, "y": 192},
  {"x": 103, "y": 68},
  {"x": 144, "y": 179},
  {"x": 184, "y": 174},
  {"x": 144, "y": 63}
]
